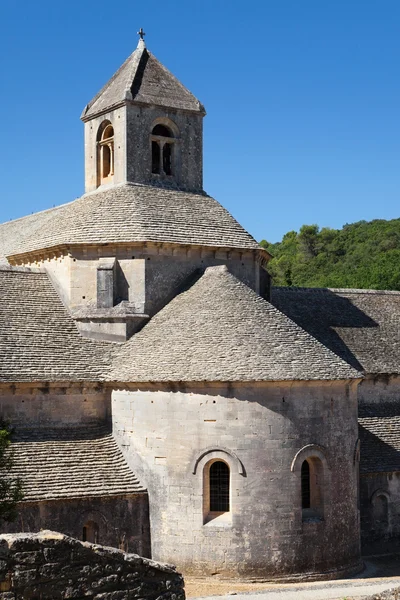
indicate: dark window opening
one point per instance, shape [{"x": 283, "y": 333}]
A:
[
  {"x": 106, "y": 161},
  {"x": 305, "y": 485},
  {"x": 219, "y": 487},
  {"x": 90, "y": 532},
  {"x": 167, "y": 162},
  {"x": 156, "y": 157},
  {"x": 162, "y": 130}
]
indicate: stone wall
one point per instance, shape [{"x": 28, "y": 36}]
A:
[
  {"x": 188, "y": 146},
  {"x": 51, "y": 405},
  {"x": 378, "y": 389},
  {"x": 379, "y": 398},
  {"x": 380, "y": 512},
  {"x": 120, "y": 521},
  {"x": 51, "y": 566},
  {"x": 392, "y": 594},
  {"x": 170, "y": 435}
]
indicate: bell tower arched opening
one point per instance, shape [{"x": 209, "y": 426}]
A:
[
  {"x": 162, "y": 151},
  {"x": 105, "y": 153}
]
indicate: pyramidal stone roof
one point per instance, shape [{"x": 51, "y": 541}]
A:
[
  {"x": 39, "y": 341},
  {"x": 142, "y": 79},
  {"x": 128, "y": 213},
  {"x": 70, "y": 463},
  {"x": 221, "y": 330}
]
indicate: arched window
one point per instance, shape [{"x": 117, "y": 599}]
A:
[
  {"x": 305, "y": 485},
  {"x": 162, "y": 150},
  {"x": 105, "y": 153},
  {"x": 380, "y": 505},
  {"x": 312, "y": 488},
  {"x": 219, "y": 487},
  {"x": 90, "y": 532},
  {"x": 216, "y": 492},
  {"x": 313, "y": 482}
]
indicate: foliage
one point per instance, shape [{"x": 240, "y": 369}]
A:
[
  {"x": 362, "y": 255},
  {"x": 10, "y": 487}
]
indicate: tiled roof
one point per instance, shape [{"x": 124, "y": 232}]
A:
[
  {"x": 221, "y": 330},
  {"x": 143, "y": 79},
  {"x": 13, "y": 232},
  {"x": 133, "y": 213},
  {"x": 379, "y": 427},
  {"x": 71, "y": 463},
  {"x": 361, "y": 326},
  {"x": 38, "y": 339}
]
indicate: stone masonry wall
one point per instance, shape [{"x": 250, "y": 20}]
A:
[
  {"x": 169, "y": 435},
  {"x": 380, "y": 533},
  {"x": 51, "y": 406},
  {"x": 51, "y": 566},
  {"x": 121, "y": 521}
]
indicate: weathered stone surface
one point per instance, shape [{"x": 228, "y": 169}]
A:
[
  {"x": 221, "y": 330},
  {"x": 392, "y": 594},
  {"x": 81, "y": 570},
  {"x": 258, "y": 430}
]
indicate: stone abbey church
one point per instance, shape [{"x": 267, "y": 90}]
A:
[{"x": 166, "y": 398}]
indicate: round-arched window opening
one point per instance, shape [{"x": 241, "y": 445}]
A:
[
  {"x": 105, "y": 153},
  {"x": 162, "y": 151},
  {"x": 219, "y": 487},
  {"x": 162, "y": 130},
  {"x": 312, "y": 488},
  {"x": 108, "y": 133}
]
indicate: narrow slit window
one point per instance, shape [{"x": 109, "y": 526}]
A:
[
  {"x": 156, "y": 157},
  {"x": 305, "y": 485},
  {"x": 219, "y": 487},
  {"x": 167, "y": 156},
  {"x": 106, "y": 161},
  {"x": 90, "y": 532}
]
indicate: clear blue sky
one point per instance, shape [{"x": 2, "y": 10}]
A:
[{"x": 302, "y": 97}]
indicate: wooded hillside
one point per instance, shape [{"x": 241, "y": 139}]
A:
[{"x": 360, "y": 255}]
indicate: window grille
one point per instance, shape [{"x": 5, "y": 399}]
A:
[{"x": 219, "y": 487}]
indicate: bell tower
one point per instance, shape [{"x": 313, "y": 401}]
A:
[{"x": 144, "y": 127}]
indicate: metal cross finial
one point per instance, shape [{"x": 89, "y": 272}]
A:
[{"x": 141, "y": 33}]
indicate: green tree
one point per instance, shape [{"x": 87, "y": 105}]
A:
[
  {"x": 10, "y": 487},
  {"x": 360, "y": 255}
]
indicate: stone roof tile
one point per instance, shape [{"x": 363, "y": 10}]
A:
[
  {"x": 13, "y": 232},
  {"x": 379, "y": 427},
  {"x": 71, "y": 463},
  {"x": 131, "y": 213},
  {"x": 360, "y": 326},
  {"x": 221, "y": 330},
  {"x": 38, "y": 339}
]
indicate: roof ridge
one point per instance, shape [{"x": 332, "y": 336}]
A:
[
  {"x": 339, "y": 290},
  {"x": 111, "y": 80}
]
